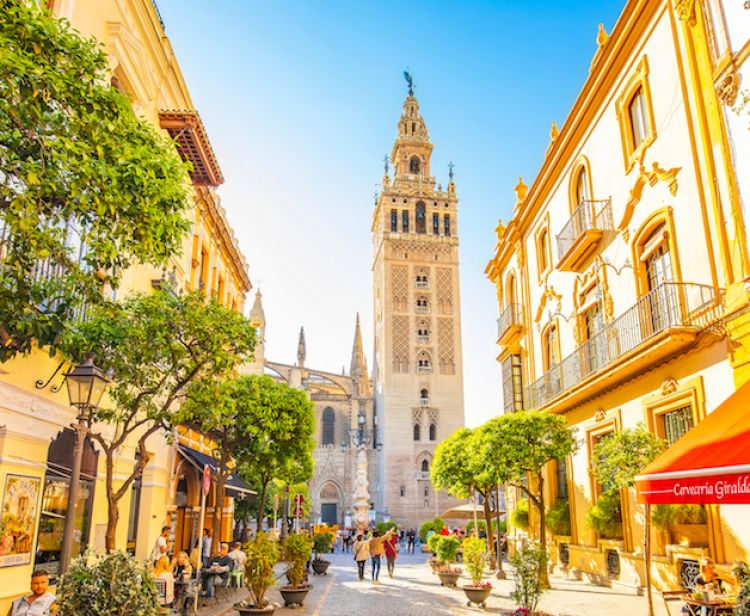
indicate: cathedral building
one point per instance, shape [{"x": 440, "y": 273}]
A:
[
  {"x": 418, "y": 375},
  {"x": 344, "y": 421}
]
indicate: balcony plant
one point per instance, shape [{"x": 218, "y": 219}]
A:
[
  {"x": 520, "y": 516},
  {"x": 606, "y": 516},
  {"x": 475, "y": 553},
  {"x": 262, "y": 556},
  {"x": 297, "y": 552},
  {"x": 447, "y": 549},
  {"x": 100, "y": 585},
  {"x": 529, "y": 563},
  {"x": 322, "y": 543},
  {"x": 685, "y": 524},
  {"x": 558, "y": 518}
]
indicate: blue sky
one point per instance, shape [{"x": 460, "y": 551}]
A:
[{"x": 301, "y": 100}]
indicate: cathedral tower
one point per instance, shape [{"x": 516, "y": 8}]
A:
[{"x": 418, "y": 364}]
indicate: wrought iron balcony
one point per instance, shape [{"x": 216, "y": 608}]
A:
[
  {"x": 423, "y": 340},
  {"x": 659, "y": 324},
  {"x": 581, "y": 234},
  {"x": 422, "y": 284},
  {"x": 423, "y": 309},
  {"x": 509, "y": 324},
  {"x": 424, "y": 369},
  {"x": 423, "y": 475}
]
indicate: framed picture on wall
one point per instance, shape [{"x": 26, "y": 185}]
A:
[{"x": 19, "y": 513}]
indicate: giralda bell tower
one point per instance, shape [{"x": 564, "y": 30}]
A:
[{"x": 418, "y": 365}]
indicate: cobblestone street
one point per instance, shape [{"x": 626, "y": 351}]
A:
[{"x": 415, "y": 591}]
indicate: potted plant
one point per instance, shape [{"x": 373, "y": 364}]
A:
[
  {"x": 606, "y": 516},
  {"x": 520, "y": 516},
  {"x": 529, "y": 563},
  {"x": 432, "y": 543},
  {"x": 321, "y": 545},
  {"x": 100, "y": 585},
  {"x": 475, "y": 552},
  {"x": 297, "y": 552},
  {"x": 262, "y": 556},
  {"x": 447, "y": 548}
]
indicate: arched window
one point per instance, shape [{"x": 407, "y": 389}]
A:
[
  {"x": 403, "y": 491},
  {"x": 394, "y": 221},
  {"x": 424, "y": 363},
  {"x": 446, "y": 224},
  {"x": 405, "y": 221},
  {"x": 329, "y": 419},
  {"x": 423, "y": 304},
  {"x": 433, "y": 432},
  {"x": 510, "y": 293},
  {"x": 417, "y": 432},
  {"x": 639, "y": 127},
  {"x": 543, "y": 251},
  {"x": 435, "y": 223},
  {"x": 425, "y": 466},
  {"x": 420, "y": 217},
  {"x": 424, "y": 397},
  {"x": 423, "y": 332},
  {"x": 414, "y": 162},
  {"x": 581, "y": 187},
  {"x": 550, "y": 345}
]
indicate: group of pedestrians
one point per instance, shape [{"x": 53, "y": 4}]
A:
[{"x": 373, "y": 548}]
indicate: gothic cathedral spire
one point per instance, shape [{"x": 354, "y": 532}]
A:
[{"x": 301, "y": 348}]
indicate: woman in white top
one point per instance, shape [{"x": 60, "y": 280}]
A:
[{"x": 361, "y": 551}]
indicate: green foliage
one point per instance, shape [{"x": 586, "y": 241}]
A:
[
  {"x": 741, "y": 573},
  {"x": 385, "y": 525},
  {"x": 454, "y": 467},
  {"x": 156, "y": 346},
  {"x": 482, "y": 525},
  {"x": 663, "y": 516},
  {"x": 606, "y": 516},
  {"x": 260, "y": 575},
  {"x": 297, "y": 551},
  {"x": 436, "y": 524},
  {"x": 529, "y": 563},
  {"x": 520, "y": 515},
  {"x": 102, "y": 585},
  {"x": 620, "y": 456},
  {"x": 274, "y": 425},
  {"x": 475, "y": 551},
  {"x": 558, "y": 518},
  {"x": 322, "y": 543},
  {"x": 447, "y": 548},
  {"x": 77, "y": 167},
  {"x": 432, "y": 542}
]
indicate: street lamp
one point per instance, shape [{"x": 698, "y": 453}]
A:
[{"x": 86, "y": 385}]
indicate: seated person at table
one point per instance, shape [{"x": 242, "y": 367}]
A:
[
  {"x": 181, "y": 567},
  {"x": 707, "y": 580},
  {"x": 218, "y": 566},
  {"x": 163, "y": 571}
]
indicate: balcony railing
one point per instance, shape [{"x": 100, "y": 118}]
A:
[
  {"x": 424, "y": 369},
  {"x": 670, "y": 305},
  {"x": 422, "y": 284},
  {"x": 423, "y": 475},
  {"x": 583, "y": 231},
  {"x": 423, "y": 309},
  {"x": 423, "y": 340},
  {"x": 511, "y": 317}
]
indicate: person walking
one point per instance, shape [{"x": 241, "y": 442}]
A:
[
  {"x": 376, "y": 552},
  {"x": 361, "y": 554},
  {"x": 391, "y": 552},
  {"x": 347, "y": 541},
  {"x": 411, "y": 537}
]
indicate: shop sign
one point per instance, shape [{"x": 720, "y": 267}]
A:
[{"x": 19, "y": 513}]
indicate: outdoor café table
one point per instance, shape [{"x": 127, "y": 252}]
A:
[{"x": 716, "y": 607}]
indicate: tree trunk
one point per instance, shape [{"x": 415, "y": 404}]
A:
[
  {"x": 113, "y": 514},
  {"x": 490, "y": 535},
  {"x": 221, "y": 480},
  {"x": 647, "y": 554},
  {"x": 261, "y": 507},
  {"x": 500, "y": 573},
  {"x": 544, "y": 576}
]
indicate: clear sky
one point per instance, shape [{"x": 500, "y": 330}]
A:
[{"x": 301, "y": 98}]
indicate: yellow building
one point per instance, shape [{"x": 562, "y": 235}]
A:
[
  {"x": 36, "y": 442},
  {"x": 621, "y": 276}
]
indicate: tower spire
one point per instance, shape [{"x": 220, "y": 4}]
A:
[
  {"x": 358, "y": 369},
  {"x": 301, "y": 348}
]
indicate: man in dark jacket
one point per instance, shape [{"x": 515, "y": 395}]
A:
[{"x": 218, "y": 569}]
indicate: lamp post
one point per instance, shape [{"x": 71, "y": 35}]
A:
[{"x": 86, "y": 385}]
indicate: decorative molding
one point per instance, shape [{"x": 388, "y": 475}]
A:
[
  {"x": 685, "y": 10},
  {"x": 600, "y": 415},
  {"x": 549, "y": 294},
  {"x": 727, "y": 85},
  {"x": 656, "y": 174},
  {"x": 669, "y": 386}
]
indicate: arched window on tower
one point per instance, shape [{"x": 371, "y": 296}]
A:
[
  {"x": 433, "y": 432},
  {"x": 329, "y": 419},
  {"x": 446, "y": 224},
  {"x": 425, "y": 466},
  {"x": 414, "y": 164},
  {"x": 417, "y": 432},
  {"x": 424, "y": 363},
  {"x": 436, "y": 223},
  {"x": 424, "y": 398},
  {"x": 420, "y": 217},
  {"x": 394, "y": 221}
]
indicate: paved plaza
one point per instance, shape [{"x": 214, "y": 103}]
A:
[{"x": 415, "y": 591}]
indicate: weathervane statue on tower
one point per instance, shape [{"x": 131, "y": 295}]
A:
[{"x": 410, "y": 81}]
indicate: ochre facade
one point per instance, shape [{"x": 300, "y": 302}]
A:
[
  {"x": 621, "y": 277},
  {"x": 35, "y": 440}
]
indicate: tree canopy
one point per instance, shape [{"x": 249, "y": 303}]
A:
[
  {"x": 155, "y": 346},
  {"x": 87, "y": 187}
]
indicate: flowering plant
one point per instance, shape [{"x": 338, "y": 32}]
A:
[{"x": 522, "y": 611}]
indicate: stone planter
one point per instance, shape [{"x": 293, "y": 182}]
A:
[
  {"x": 434, "y": 563},
  {"x": 689, "y": 535},
  {"x": 448, "y": 578},
  {"x": 294, "y": 596},
  {"x": 477, "y": 595},
  {"x": 425, "y": 549},
  {"x": 249, "y": 611},
  {"x": 320, "y": 567}
]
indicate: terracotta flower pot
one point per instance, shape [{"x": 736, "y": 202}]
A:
[
  {"x": 477, "y": 595},
  {"x": 294, "y": 596},
  {"x": 448, "y": 578},
  {"x": 320, "y": 566},
  {"x": 249, "y": 611}
]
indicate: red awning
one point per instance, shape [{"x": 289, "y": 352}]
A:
[{"x": 709, "y": 464}]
